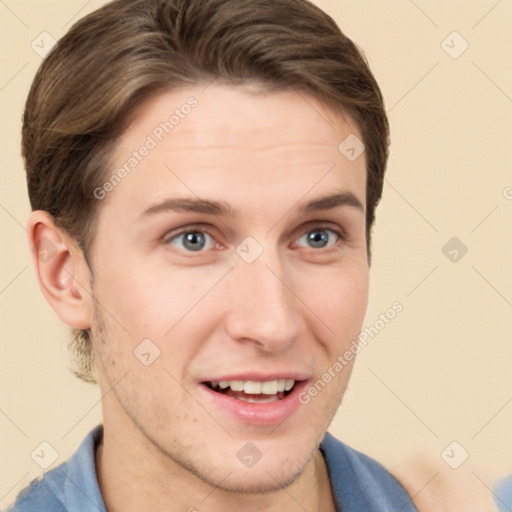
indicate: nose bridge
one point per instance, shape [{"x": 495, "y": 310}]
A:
[{"x": 262, "y": 304}]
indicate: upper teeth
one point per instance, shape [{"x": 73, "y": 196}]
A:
[{"x": 252, "y": 387}]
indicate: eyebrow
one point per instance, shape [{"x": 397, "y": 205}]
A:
[
  {"x": 332, "y": 201},
  {"x": 222, "y": 208}
]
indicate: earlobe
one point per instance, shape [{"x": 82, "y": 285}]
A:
[{"x": 61, "y": 270}]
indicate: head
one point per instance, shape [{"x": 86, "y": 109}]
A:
[{"x": 245, "y": 105}]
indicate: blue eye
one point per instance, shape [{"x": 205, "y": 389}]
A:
[
  {"x": 192, "y": 241},
  {"x": 198, "y": 240},
  {"x": 319, "y": 237}
]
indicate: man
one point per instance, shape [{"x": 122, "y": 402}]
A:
[{"x": 203, "y": 176}]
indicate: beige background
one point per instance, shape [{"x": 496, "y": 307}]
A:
[{"x": 441, "y": 370}]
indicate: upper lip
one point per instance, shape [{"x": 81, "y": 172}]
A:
[{"x": 260, "y": 377}]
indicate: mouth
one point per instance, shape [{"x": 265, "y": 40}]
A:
[
  {"x": 253, "y": 391},
  {"x": 254, "y": 398}
]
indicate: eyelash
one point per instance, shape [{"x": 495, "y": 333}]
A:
[{"x": 341, "y": 234}]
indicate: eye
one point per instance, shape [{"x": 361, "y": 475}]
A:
[
  {"x": 192, "y": 240},
  {"x": 320, "y": 237}
]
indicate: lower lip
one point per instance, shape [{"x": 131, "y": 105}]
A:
[{"x": 265, "y": 414}]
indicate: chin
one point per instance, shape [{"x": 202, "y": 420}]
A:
[
  {"x": 256, "y": 481},
  {"x": 273, "y": 472}
]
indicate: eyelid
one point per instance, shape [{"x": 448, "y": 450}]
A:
[
  {"x": 319, "y": 224},
  {"x": 340, "y": 233},
  {"x": 202, "y": 228}
]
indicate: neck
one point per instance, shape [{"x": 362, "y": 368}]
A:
[{"x": 134, "y": 475}]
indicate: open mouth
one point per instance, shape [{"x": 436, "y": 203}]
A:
[{"x": 253, "y": 391}]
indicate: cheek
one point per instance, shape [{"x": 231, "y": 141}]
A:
[
  {"x": 168, "y": 306},
  {"x": 148, "y": 301},
  {"x": 339, "y": 297}
]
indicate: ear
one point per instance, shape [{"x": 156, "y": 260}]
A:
[{"x": 61, "y": 270}]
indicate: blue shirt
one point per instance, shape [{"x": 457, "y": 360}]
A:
[
  {"x": 359, "y": 483},
  {"x": 503, "y": 494}
]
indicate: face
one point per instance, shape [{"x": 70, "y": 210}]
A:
[{"x": 223, "y": 287}]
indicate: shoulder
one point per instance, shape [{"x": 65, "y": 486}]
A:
[
  {"x": 38, "y": 496},
  {"x": 360, "y": 482},
  {"x": 70, "y": 486}
]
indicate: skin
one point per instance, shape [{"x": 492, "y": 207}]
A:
[{"x": 210, "y": 313}]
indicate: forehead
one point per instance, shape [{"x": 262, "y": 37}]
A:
[
  {"x": 223, "y": 111},
  {"x": 230, "y": 143}
]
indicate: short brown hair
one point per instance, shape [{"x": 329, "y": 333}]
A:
[{"x": 126, "y": 51}]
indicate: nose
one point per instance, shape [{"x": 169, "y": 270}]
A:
[{"x": 262, "y": 307}]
